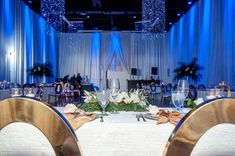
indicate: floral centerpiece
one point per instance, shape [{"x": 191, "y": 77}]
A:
[{"x": 121, "y": 101}]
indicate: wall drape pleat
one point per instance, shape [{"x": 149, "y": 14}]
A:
[
  {"x": 23, "y": 42},
  {"x": 206, "y": 32},
  {"x": 132, "y": 50}
]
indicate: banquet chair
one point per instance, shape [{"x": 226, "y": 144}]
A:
[
  {"x": 192, "y": 92},
  {"x": 196, "y": 123},
  {"x": 201, "y": 87},
  {"x": 166, "y": 95},
  {"x": 48, "y": 120}
]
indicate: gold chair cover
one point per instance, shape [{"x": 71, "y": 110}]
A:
[
  {"x": 196, "y": 123},
  {"x": 48, "y": 120}
]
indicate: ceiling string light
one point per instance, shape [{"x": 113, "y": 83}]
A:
[
  {"x": 153, "y": 16},
  {"x": 53, "y": 11}
]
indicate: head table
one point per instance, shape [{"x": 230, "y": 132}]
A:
[{"x": 119, "y": 135}]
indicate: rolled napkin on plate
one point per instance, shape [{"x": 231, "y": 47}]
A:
[
  {"x": 76, "y": 116},
  {"x": 167, "y": 116}
]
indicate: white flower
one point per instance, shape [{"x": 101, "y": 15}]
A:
[
  {"x": 111, "y": 99},
  {"x": 135, "y": 98},
  {"x": 70, "y": 108},
  {"x": 127, "y": 100},
  {"x": 119, "y": 98},
  {"x": 89, "y": 97},
  {"x": 199, "y": 101},
  {"x": 153, "y": 109},
  {"x": 124, "y": 94}
]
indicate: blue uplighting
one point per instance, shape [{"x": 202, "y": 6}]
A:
[
  {"x": 8, "y": 14},
  {"x": 29, "y": 40}
]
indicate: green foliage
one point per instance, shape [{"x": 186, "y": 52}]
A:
[
  {"x": 190, "y": 70},
  {"x": 191, "y": 103},
  {"x": 41, "y": 69},
  {"x": 112, "y": 107}
]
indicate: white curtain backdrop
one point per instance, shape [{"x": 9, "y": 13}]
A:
[
  {"x": 133, "y": 50},
  {"x": 205, "y": 32}
]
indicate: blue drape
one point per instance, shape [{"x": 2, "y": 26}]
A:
[
  {"x": 207, "y": 32},
  {"x": 23, "y": 42}
]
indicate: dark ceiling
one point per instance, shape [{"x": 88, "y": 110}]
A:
[{"x": 115, "y": 14}]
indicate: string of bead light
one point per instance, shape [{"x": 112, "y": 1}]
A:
[
  {"x": 53, "y": 11},
  {"x": 153, "y": 16}
]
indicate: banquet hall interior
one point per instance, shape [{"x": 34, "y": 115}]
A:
[{"x": 117, "y": 78}]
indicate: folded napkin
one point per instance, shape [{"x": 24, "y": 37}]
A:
[
  {"x": 77, "y": 117},
  {"x": 153, "y": 109},
  {"x": 199, "y": 101},
  {"x": 167, "y": 116}
]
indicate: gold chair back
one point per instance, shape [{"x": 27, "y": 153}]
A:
[
  {"x": 196, "y": 123},
  {"x": 47, "y": 119}
]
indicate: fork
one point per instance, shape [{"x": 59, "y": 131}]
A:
[
  {"x": 137, "y": 117},
  {"x": 142, "y": 116}
]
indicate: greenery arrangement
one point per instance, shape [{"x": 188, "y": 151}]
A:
[
  {"x": 191, "y": 103},
  {"x": 124, "y": 101},
  {"x": 41, "y": 69},
  {"x": 190, "y": 71}
]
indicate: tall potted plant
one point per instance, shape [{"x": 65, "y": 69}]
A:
[
  {"x": 189, "y": 71},
  {"x": 40, "y": 70}
]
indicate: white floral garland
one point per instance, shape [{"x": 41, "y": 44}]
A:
[{"x": 135, "y": 96}]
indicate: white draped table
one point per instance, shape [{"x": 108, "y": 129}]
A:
[{"x": 119, "y": 135}]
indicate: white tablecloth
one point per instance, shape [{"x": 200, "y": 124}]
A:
[{"x": 119, "y": 135}]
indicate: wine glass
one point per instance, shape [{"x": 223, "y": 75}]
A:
[
  {"x": 103, "y": 99},
  {"x": 114, "y": 86},
  {"x": 178, "y": 98},
  {"x": 183, "y": 87}
]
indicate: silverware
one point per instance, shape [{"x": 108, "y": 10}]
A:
[
  {"x": 137, "y": 117},
  {"x": 101, "y": 118},
  {"x": 142, "y": 116}
]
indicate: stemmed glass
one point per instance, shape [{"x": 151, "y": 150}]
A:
[
  {"x": 178, "y": 98},
  {"x": 114, "y": 86},
  {"x": 183, "y": 87},
  {"x": 103, "y": 99}
]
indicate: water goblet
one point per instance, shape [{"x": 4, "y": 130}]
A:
[
  {"x": 114, "y": 87},
  {"x": 178, "y": 98},
  {"x": 183, "y": 87},
  {"x": 103, "y": 99}
]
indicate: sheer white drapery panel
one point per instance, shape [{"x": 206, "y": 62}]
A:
[{"x": 133, "y": 50}]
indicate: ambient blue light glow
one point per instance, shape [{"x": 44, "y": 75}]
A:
[
  {"x": 95, "y": 51},
  {"x": 29, "y": 40}
]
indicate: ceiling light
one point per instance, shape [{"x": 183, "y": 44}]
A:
[
  {"x": 170, "y": 23},
  {"x": 178, "y": 14},
  {"x": 190, "y": 2},
  {"x": 82, "y": 13},
  {"x": 88, "y": 16},
  {"x": 134, "y": 16}
]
